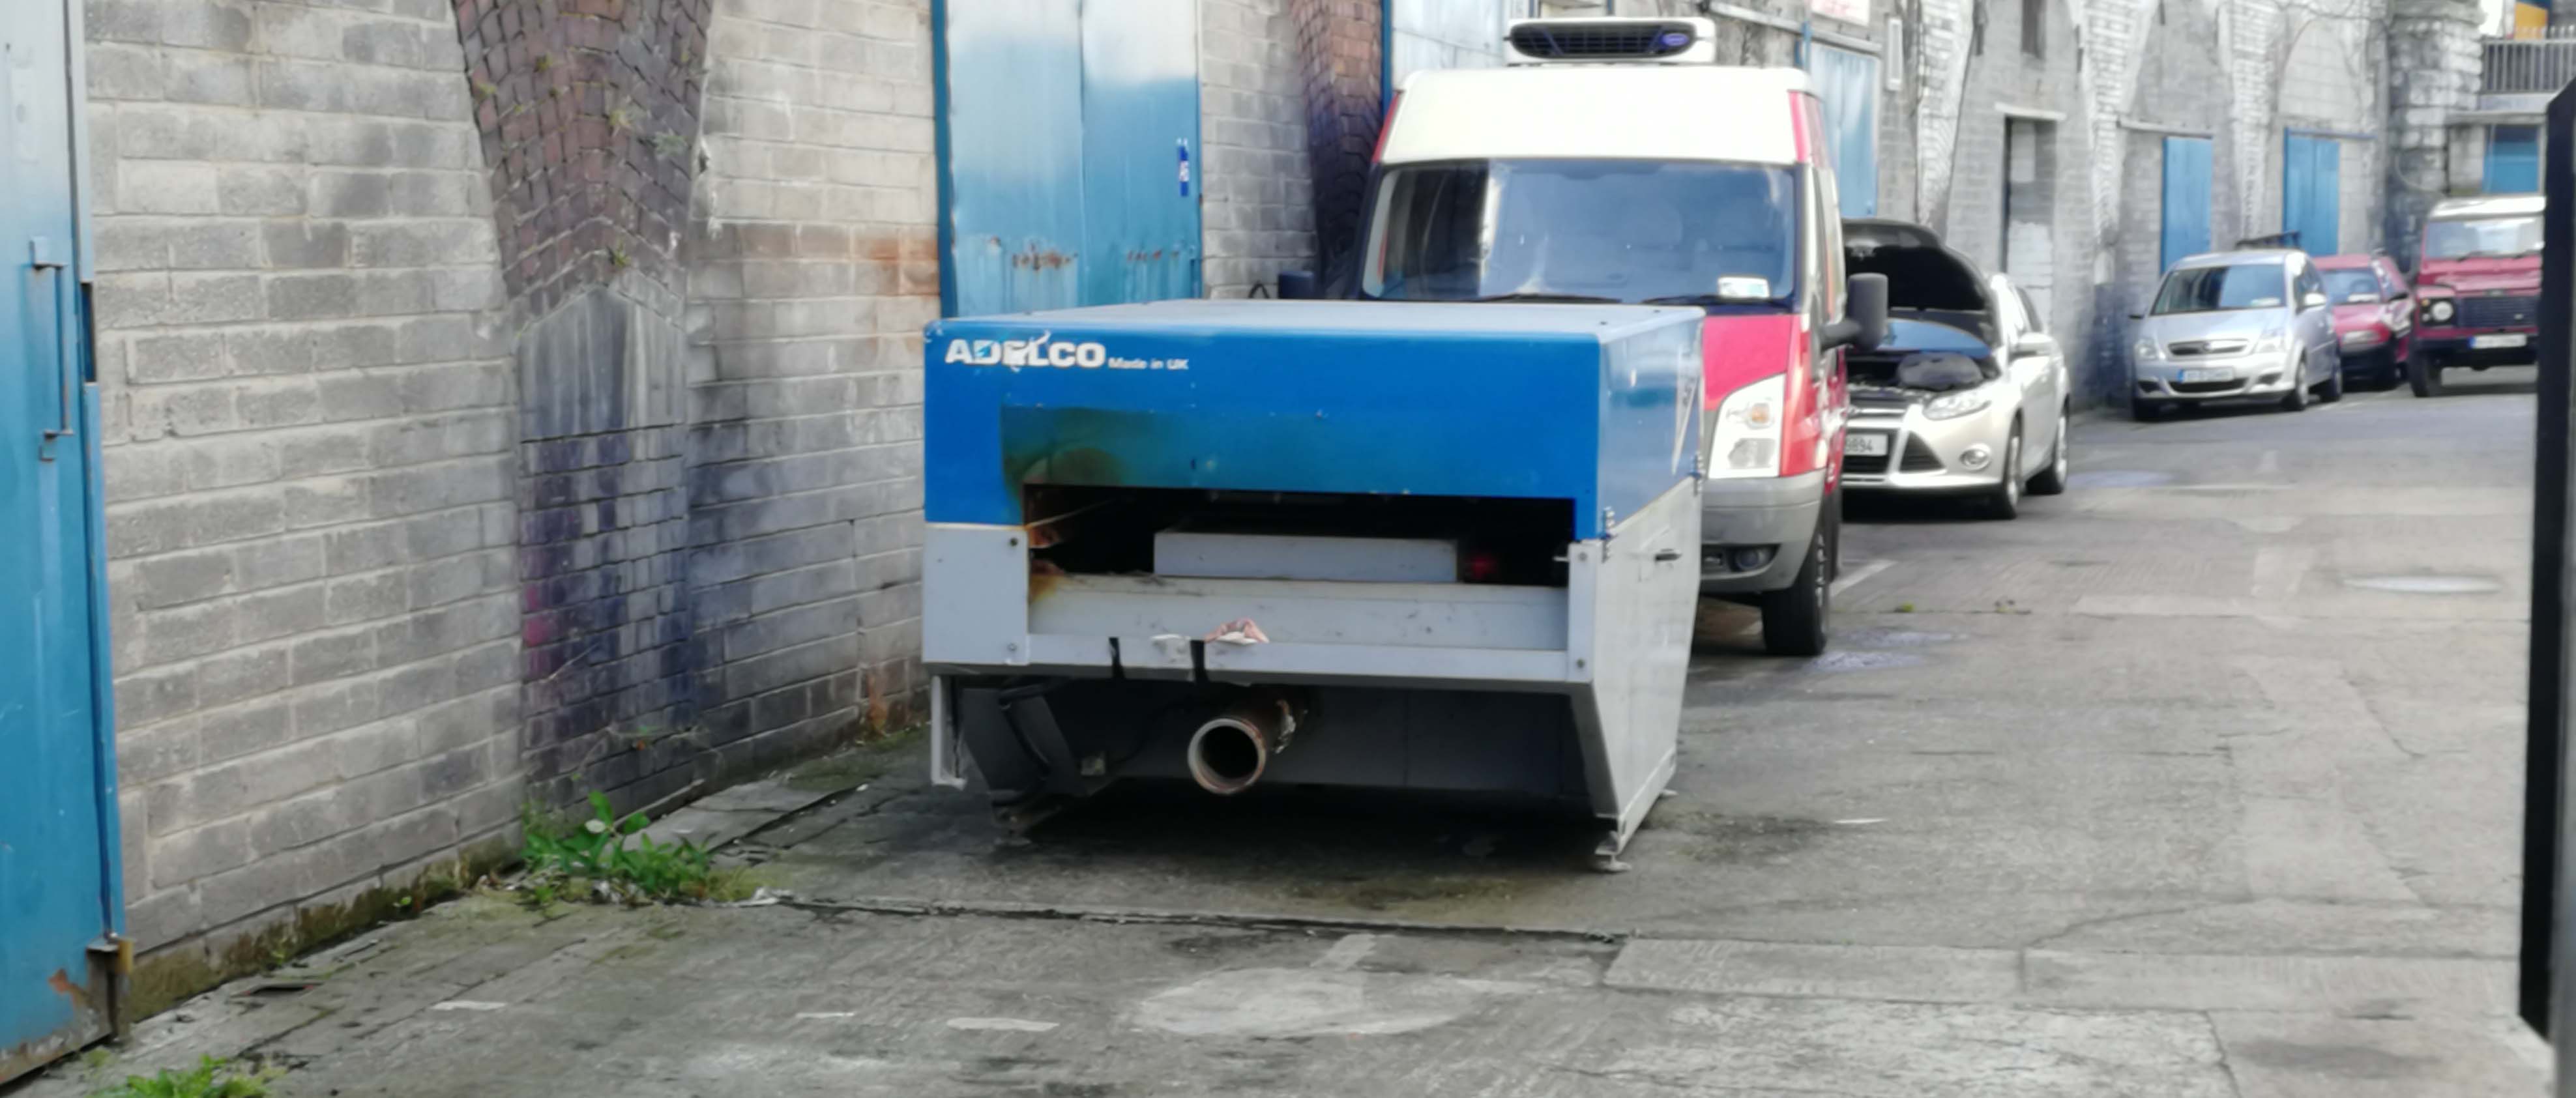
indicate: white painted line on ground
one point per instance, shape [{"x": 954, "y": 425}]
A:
[
  {"x": 1850, "y": 578},
  {"x": 826, "y": 1015},
  {"x": 1853, "y": 575},
  {"x": 1001, "y": 1025},
  {"x": 1347, "y": 953},
  {"x": 468, "y": 1004}
]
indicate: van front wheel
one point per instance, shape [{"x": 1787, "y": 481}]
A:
[{"x": 1793, "y": 618}]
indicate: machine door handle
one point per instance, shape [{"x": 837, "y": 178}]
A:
[
  {"x": 1665, "y": 556},
  {"x": 40, "y": 262}
]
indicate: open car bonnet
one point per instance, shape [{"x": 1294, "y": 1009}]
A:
[{"x": 1924, "y": 335}]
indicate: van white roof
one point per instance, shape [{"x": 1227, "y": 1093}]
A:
[{"x": 1607, "y": 112}]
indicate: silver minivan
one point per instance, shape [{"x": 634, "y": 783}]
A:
[{"x": 2235, "y": 326}]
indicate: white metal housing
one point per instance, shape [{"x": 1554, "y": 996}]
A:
[{"x": 1632, "y": 111}]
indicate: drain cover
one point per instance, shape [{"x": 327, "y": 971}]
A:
[{"x": 2426, "y": 584}]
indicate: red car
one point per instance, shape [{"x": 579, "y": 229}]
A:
[
  {"x": 2374, "y": 315},
  {"x": 2479, "y": 283}
]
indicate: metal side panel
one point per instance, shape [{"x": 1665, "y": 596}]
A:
[
  {"x": 947, "y": 755},
  {"x": 1644, "y": 581},
  {"x": 1311, "y": 612},
  {"x": 975, "y": 588}
]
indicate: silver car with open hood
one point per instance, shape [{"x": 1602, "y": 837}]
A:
[{"x": 1968, "y": 394}]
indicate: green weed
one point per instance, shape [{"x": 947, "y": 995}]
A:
[
  {"x": 610, "y": 858},
  {"x": 211, "y": 1078}
]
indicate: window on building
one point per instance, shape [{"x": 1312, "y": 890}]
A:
[{"x": 2034, "y": 27}]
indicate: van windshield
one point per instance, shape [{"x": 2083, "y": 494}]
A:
[
  {"x": 2212, "y": 289},
  {"x": 2482, "y": 238},
  {"x": 1610, "y": 230}
]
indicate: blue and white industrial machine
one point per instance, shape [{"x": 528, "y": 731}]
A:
[{"x": 1407, "y": 546}]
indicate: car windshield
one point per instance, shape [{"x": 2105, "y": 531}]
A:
[
  {"x": 1585, "y": 230},
  {"x": 2351, "y": 287},
  {"x": 2482, "y": 237},
  {"x": 2214, "y": 289}
]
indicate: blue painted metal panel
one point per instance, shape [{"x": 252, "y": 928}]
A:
[
  {"x": 58, "y": 876},
  {"x": 1140, "y": 150},
  {"x": 2185, "y": 200},
  {"x": 2311, "y": 202},
  {"x": 1594, "y": 404},
  {"x": 1847, "y": 85},
  {"x": 1014, "y": 116},
  {"x": 2513, "y": 160}
]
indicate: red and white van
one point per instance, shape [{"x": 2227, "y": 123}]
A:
[{"x": 1612, "y": 160}]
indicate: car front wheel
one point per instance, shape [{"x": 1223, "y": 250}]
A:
[
  {"x": 2423, "y": 375},
  {"x": 2052, "y": 480},
  {"x": 2297, "y": 398},
  {"x": 2005, "y": 500}
]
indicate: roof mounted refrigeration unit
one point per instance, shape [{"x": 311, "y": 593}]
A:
[{"x": 1611, "y": 41}]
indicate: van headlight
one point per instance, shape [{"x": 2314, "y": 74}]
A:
[
  {"x": 1954, "y": 405},
  {"x": 1744, "y": 439},
  {"x": 2439, "y": 312}
]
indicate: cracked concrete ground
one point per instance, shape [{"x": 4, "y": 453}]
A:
[{"x": 2201, "y": 780}]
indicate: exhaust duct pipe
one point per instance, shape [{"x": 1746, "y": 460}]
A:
[{"x": 1233, "y": 749}]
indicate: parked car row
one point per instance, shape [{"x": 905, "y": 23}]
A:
[{"x": 2278, "y": 324}]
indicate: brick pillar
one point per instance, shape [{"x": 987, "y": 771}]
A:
[
  {"x": 2433, "y": 70},
  {"x": 587, "y": 111},
  {"x": 1338, "y": 49}
]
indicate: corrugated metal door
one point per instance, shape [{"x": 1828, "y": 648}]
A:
[
  {"x": 1847, "y": 82},
  {"x": 2513, "y": 160},
  {"x": 59, "y": 906},
  {"x": 2185, "y": 199},
  {"x": 1070, "y": 158},
  {"x": 2311, "y": 204},
  {"x": 1013, "y": 121},
  {"x": 1140, "y": 136}
]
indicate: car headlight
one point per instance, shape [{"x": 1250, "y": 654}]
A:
[
  {"x": 2146, "y": 350},
  {"x": 2439, "y": 312},
  {"x": 1745, "y": 439},
  {"x": 2366, "y": 337},
  {"x": 1954, "y": 405},
  {"x": 2269, "y": 344}
]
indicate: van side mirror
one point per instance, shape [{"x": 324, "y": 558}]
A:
[
  {"x": 1297, "y": 286},
  {"x": 1864, "y": 322}
]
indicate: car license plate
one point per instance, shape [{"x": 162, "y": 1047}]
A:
[
  {"x": 2484, "y": 343},
  {"x": 2209, "y": 375},
  {"x": 1861, "y": 444}
]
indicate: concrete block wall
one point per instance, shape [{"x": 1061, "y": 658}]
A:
[
  {"x": 812, "y": 259},
  {"x": 309, "y": 421},
  {"x": 1257, "y": 212}
]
